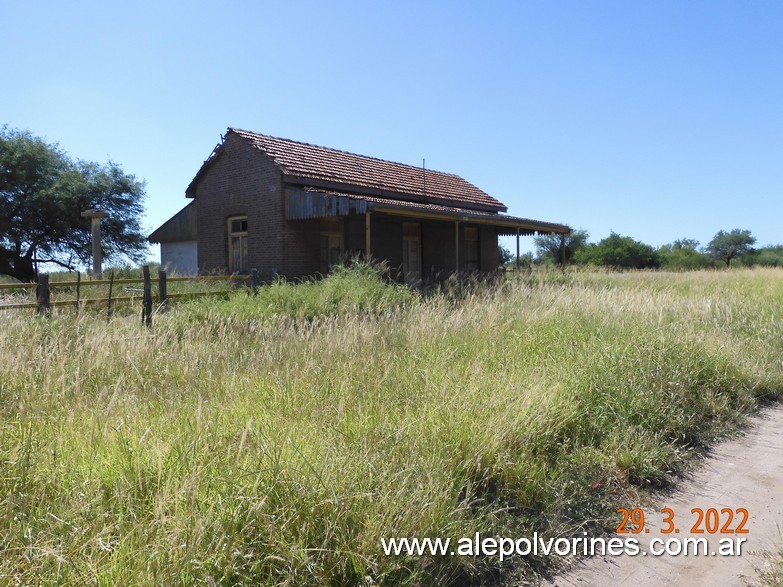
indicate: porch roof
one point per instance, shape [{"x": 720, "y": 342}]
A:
[
  {"x": 180, "y": 227},
  {"x": 304, "y": 203}
]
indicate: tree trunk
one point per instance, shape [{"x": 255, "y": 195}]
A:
[{"x": 18, "y": 268}]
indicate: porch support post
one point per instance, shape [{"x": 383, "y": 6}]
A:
[
  {"x": 367, "y": 235},
  {"x": 517, "y": 249},
  {"x": 456, "y": 247}
]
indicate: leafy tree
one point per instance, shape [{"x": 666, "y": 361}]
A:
[
  {"x": 687, "y": 244},
  {"x": 621, "y": 252},
  {"x": 525, "y": 260},
  {"x": 588, "y": 255},
  {"x": 42, "y": 195},
  {"x": 505, "y": 255},
  {"x": 683, "y": 254},
  {"x": 726, "y": 246},
  {"x": 548, "y": 245},
  {"x": 769, "y": 256}
]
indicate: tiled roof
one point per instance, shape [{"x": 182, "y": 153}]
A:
[{"x": 394, "y": 180}]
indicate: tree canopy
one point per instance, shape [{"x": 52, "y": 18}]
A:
[
  {"x": 618, "y": 251},
  {"x": 683, "y": 254},
  {"x": 548, "y": 245},
  {"x": 769, "y": 256},
  {"x": 726, "y": 246},
  {"x": 505, "y": 255},
  {"x": 42, "y": 195}
]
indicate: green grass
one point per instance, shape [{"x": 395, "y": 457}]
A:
[
  {"x": 275, "y": 439},
  {"x": 355, "y": 291},
  {"x": 772, "y": 576}
]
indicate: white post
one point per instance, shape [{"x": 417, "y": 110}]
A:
[{"x": 95, "y": 216}]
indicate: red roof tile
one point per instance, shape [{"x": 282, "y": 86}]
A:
[{"x": 394, "y": 180}]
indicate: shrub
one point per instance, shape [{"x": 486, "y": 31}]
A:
[
  {"x": 683, "y": 255},
  {"x": 348, "y": 290},
  {"x": 621, "y": 252},
  {"x": 771, "y": 256}
]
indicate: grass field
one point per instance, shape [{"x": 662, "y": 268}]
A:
[
  {"x": 274, "y": 440},
  {"x": 773, "y": 576}
]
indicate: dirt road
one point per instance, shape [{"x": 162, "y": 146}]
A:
[{"x": 746, "y": 472}]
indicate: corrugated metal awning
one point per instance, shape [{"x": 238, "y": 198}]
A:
[{"x": 303, "y": 203}]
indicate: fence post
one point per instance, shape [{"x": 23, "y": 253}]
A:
[
  {"x": 146, "y": 305},
  {"x": 254, "y": 280},
  {"x": 42, "y": 295},
  {"x": 111, "y": 287},
  {"x": 162, "y": 290},
  {"x": 78, "y": 289}
]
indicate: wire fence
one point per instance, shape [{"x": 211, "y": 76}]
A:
[{"x": 48, "y": 295}]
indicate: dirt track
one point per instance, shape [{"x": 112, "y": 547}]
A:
[{"x": 746, "y": 472}]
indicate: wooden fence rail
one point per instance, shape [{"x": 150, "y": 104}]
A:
[
  {"x": 44, "y": 288},
  {"x": 59, "y": 284}
]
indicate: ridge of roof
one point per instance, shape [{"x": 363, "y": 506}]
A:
[
  {"x": 298, "y": 159},
  {"x": 251, "y": 134}
]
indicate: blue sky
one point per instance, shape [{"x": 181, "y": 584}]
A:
[{"x": 657, "y": 120}]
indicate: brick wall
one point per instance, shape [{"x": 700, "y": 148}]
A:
[
  {"x": 243, "y": 181},
  {"x": 437, "y": 249},
  {"x": 489, "y": 255},
  {"x": 386, "y": 239}
]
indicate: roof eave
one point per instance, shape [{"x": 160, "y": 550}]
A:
[
  {"x": 190, "y": 191},
  {"x": 525, "y": 225}
]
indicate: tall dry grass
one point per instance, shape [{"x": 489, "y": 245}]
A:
[{"x": 246, "y": 442}]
